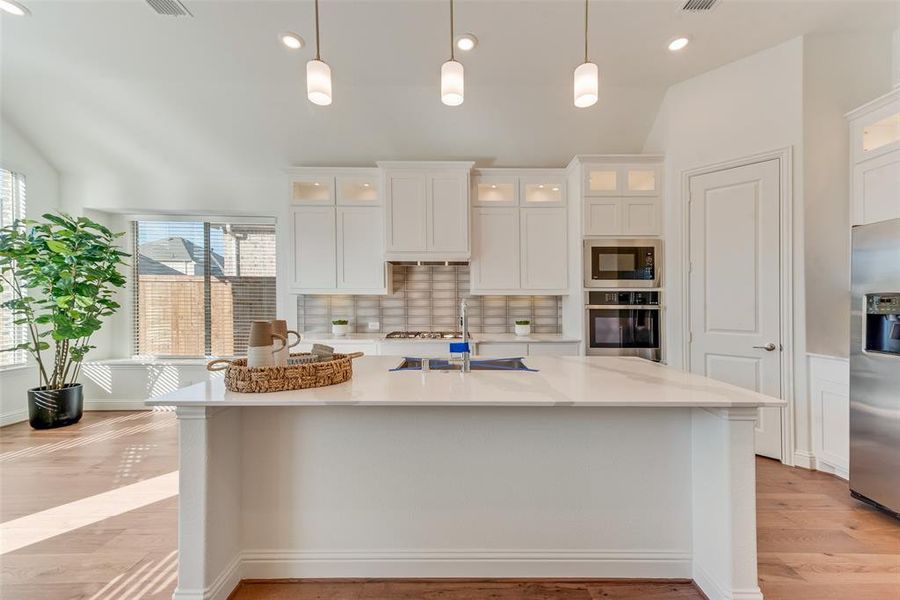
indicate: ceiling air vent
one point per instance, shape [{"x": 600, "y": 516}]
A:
[
  {"x": 698, "y": 5},
  {"x": 171, "y": 8}
]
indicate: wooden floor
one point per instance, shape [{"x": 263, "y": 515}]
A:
[{"x": 73, "y": 526}]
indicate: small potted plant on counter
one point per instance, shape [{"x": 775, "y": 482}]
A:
[
  {"x": 523, "y": 327},
  {"x": 62, "y": 273},
  {"x": 340, "y": 327}
]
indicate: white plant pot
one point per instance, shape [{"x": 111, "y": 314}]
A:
[
  {"x": 523, "y": 330},
  {"x": 340, "y": 329}
]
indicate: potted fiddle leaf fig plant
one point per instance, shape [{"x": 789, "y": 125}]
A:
[{"x": 62, "y": 273}]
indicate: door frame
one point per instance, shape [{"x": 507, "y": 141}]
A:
[{"x": 784, "y": 156}]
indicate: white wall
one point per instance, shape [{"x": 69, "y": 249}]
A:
[
  {"x": 840, "y": 72},
  {"x": 42, "y": 192},
  {"x": 750, "y": 106}
]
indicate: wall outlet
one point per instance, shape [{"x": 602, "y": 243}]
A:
[{"x": 374, "y": 325}]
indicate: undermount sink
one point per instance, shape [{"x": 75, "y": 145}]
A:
[{"x": 486, "y": 364}]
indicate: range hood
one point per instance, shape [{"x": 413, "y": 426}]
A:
[{"x": 428, "y": 263}]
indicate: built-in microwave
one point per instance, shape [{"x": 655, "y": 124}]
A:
[{"x": 622, "y": 263}]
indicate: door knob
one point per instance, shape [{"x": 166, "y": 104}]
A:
[{"x": 768, "y": 347}]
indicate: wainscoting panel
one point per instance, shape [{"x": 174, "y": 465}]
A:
[{"x": 829, "y": 388}]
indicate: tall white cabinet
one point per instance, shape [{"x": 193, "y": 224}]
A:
[
  {"x": 875, "y": 160},
  {"x": 337, "y": 238},
  {"x": 519, "y": 232},
  {"x": 426, "y": 210},
  {"x": 621, "y": 195}
]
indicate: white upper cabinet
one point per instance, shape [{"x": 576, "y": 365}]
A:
[
  {"x": 337, "y": 232},
  {"x": 875, "y": 160},
  {"x": 448, "y": 214},
  {"x": 544, "y": 253},
  {"x": 360, "y": 263},
  {"x": 519, "y": 231},
  {"x": 495, "y": 249},
  {"x": 314, "y": 248},
  {"x": 426, "y": 210},
  {"x": 622, "y": 195},
  {"x": 406, "y": 212}
]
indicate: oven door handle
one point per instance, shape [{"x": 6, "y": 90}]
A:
[{"x": 623, "y": 306}]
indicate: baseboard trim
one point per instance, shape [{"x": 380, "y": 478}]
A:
[
  {"x": 220, "y": 589},
  {"x": 14, "y": 416},
  {"x": 269, "y": 564},
  {"x": 714, "y": 590},
  {"x": 804, "y": 459}
]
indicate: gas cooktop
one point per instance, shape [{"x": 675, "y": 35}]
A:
[{"x": 423, "y": 335}]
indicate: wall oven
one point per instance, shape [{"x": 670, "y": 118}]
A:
[
  {"x": 623, "y": 263},
  {"x": 623, "y": 324}
]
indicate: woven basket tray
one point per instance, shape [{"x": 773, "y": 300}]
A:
[{"x": 241, "y": 378}]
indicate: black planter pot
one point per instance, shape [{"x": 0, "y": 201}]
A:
[{"x": 55, "y": 408}]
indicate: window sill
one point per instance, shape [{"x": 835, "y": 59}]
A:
[{"x": 13, "y": 368}]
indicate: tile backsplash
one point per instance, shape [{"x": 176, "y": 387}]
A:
[{"x": 426, "y": 298}]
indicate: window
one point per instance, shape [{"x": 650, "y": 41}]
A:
[
  {"x": 199, "y": 284},
  {"x": 12, "y": 207}
]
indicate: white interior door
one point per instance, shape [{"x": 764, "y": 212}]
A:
[{"x": 735, "y": 291}]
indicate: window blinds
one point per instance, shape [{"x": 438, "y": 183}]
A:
[
  {"x": 199, "y": 284},
  {"x": 12, "y": 207}
]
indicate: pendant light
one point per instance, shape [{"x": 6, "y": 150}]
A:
[
  {"x": 318, "y": 74},
  {"x": 587, "y": 76},
  {"x": 452, "y": 75}
]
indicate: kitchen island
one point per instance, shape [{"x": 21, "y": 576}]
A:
[{"x": 590, "y": 467}]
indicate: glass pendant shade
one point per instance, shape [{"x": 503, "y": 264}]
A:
[
  {"x": 452, "y": 83},
  {"x": 318, "y": 82},
  {"x": 587, "y": 84}
]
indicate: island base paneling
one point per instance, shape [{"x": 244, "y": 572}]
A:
[{"x": 443, "y": 491}]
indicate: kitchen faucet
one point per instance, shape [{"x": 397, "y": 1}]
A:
[{"x": 464, "y": 327}]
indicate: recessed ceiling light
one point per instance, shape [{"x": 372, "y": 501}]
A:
[
  {"x": 556, "y": 189},
  {"x": 679, "y": 43},
  {"x": 289, "y": 39},
  {"x": 14, "y": 8},
  {"x": 466, "y": 42}
]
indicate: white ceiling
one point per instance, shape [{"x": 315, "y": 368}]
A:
[{"x": 111, "y": 85}]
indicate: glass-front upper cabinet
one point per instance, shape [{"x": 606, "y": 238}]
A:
[
  {"x": 621, "y": 180},
  {"x": 357, "y": 190},
  {"x": 309, "y": 189},
  {"x": 494, "y": 190},
  {"x": 542, "y": 191},
  {"x": 881, "y": 133}
]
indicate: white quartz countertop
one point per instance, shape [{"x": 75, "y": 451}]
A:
[
  {"x": 357, "y": 338},
  {"x": 559, "y": 381}
]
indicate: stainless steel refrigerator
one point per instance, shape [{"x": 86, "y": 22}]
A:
[{"x": 875, "y": 365}]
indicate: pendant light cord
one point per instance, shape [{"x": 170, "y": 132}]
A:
[
  {"x": 585, "y": 29},
  {"x": 452, "y": 56},
  {"x": 317, "y": 31}
]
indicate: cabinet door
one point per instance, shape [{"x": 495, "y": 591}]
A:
[
  {"x": 312, "y": 189},
  {"x": 495, "y": 190},
  {"x": 359, "y": 190},
  {"x": 640, "y": 180},
  {"x": 601, "y": 180},
  {"x": 876, "y": 193},
  {"x": 360, "y": 248},
  {"x": 602, "y": 216},
  {"x": 448, "y": 213},
  {"x": 641, "y": 216},
  {"x": 314, "y": 248},
  {"x": 406, "y": 213},
  {"x": 542, "y": 191},
  {"x": 544, "y": 255},
  {"x": 495, "y": 249}
]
